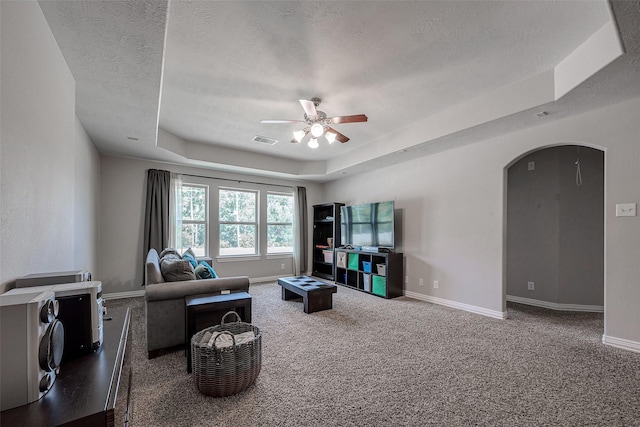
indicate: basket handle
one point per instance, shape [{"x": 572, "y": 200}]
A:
[
  {"x": 238, "y": 319},
  {"x": 227, "y": 333}
]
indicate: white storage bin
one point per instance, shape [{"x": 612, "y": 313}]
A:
[
  {"x": 366, "y": 281},
  {"x": 341, "y": 259},
  {"x": 382, "y": 268},
  {"x": 328, "y": 256}
]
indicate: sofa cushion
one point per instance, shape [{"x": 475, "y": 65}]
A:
[{"x": 175, "y": 269}]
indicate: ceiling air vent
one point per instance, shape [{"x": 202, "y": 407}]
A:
[{"x": 264, "y": 140}]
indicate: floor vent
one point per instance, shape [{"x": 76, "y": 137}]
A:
[{"x": 264, "y": 140}]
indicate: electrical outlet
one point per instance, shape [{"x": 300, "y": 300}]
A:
[
  {"x": 436, "y": 284},
  {"x": 281, "y": 266},
  {"x": 531, "y": 286},
  {"x": 406, "y": 279},
  {"x": 420, "y": 282},
  {"x": 626, "y": 209}
]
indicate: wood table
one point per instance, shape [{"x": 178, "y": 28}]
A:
[
  {"x": 92, "y": 390},
  {"x": 316, "y": 295}
]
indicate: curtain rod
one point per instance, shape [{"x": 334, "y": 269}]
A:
[{"x": 238, "y": 180}]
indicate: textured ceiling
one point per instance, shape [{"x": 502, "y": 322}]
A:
[{"x": 207, "y": 72}]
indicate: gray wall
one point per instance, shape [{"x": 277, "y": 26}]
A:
[
  {"x": 122, "y": 192},
  {"x": 453, "y": 206},
  {"x": 48, "y": 164},
  {"x": 555, "y": 229}
]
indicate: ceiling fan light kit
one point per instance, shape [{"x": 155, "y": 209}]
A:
[
  {"x": 319, "y": 124},
  {"x": 317, "y": 130}
]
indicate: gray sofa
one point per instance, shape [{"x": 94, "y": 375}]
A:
[{"x": 164, "y": 303}]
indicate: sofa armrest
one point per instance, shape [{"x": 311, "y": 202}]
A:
[{"x": 175, "y": 290}]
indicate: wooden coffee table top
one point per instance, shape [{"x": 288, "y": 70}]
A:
[{"x": 306, "y": 283}]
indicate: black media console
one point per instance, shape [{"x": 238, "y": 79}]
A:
[{"x": 92, "y": 390}]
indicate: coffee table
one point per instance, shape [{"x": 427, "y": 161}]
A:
[{"x": 316, "y": 295}]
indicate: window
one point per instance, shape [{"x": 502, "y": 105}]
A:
[
  {"x": 279, "y": 223},
  {"x": 192, "y": 224},
  {"x": 238, "y": 222}
]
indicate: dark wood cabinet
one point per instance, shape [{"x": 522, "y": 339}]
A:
[
  {"x": 377, "y": 273},
  {"x": 92, "y": 390},
  {"x": 326, "y": 225}
]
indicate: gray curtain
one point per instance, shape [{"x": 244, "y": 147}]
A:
[
  {"x": 156, "y": 218},
  {"x": 302, "y": 238}
]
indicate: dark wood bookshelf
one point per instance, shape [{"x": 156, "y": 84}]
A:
[
  {"x": 326, "y": 225},
  {"x": 362, "y": 272}
]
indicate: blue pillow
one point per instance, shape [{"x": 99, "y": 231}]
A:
[
  {"x": 210, "y": 269},
  {"x": 190, "y": 253},
  {"x": 192, "y": 260}
]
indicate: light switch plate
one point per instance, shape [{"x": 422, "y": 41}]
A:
[{"x": 626, "y": 209}]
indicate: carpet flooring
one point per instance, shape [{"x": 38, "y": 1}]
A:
[{"x": 401, "y": 362}]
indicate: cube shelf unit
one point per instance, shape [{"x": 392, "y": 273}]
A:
[
  {"x": 326, "y": 224},
  {"x": 359, "y": 270}
]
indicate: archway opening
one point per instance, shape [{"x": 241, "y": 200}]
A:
[{"x": 554, "y": 241}]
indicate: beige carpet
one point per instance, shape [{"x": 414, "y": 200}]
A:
[{"x": 401, "y": 362}]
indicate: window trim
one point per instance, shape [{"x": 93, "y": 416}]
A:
[
  {"x": 256, "y": 224},
  {"x": 204, "y": 222},
  {"x": 279, "y": 254}
]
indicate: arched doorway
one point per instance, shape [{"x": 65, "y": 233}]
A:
[{"x": 554, "y": 243}]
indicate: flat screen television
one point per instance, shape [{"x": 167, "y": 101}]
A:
[{"x": 368, "y": 224}]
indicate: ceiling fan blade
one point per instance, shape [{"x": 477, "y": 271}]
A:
[
  {"x": 281, "y": 121},
  {"x": 309, "y": 108},
  {"x": 349, "y": 119},
  {"x": 340, "y": 137}
]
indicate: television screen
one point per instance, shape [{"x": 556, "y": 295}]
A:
[{"x": 369, "y": 224}]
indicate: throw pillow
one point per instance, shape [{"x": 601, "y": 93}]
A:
[
  {"x": 203, "y": 272},
  {"x": 191, "y": 259},
  {"x": 190, "y": 253},
  {"x": 168, "y": 251},
  {"x": 176, "y": 270},
  {"x": 213, "y": 273}
]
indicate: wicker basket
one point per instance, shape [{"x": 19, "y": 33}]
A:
[{"x": 223, "y": 371}]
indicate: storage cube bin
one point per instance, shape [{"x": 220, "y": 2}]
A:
[
  {"x": 341, "y": 259},
  {"x": 381, "y": 269},
  {"x": 379, "y": 285},
  {"x": 328, "y": 256},
  {"x": 366, "y": 266},
  {"x": 353, "y": 261},
  {"x": 366, "y": 282}
]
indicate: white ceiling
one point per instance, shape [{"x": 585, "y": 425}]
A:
[{"x": 429, "y": 75}]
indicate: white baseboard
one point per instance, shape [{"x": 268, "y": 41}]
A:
[
  {"x": 621, "y": 343},
  {"x": 556, "y": 306},
  {"x": 268, "y": 278},
  {"x": 454, "y": 304}
]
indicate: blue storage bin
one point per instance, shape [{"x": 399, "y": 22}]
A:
[{"x": 366, "y": 266}]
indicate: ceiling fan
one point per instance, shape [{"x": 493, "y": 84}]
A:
[{"x": 319, "y": 124}]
